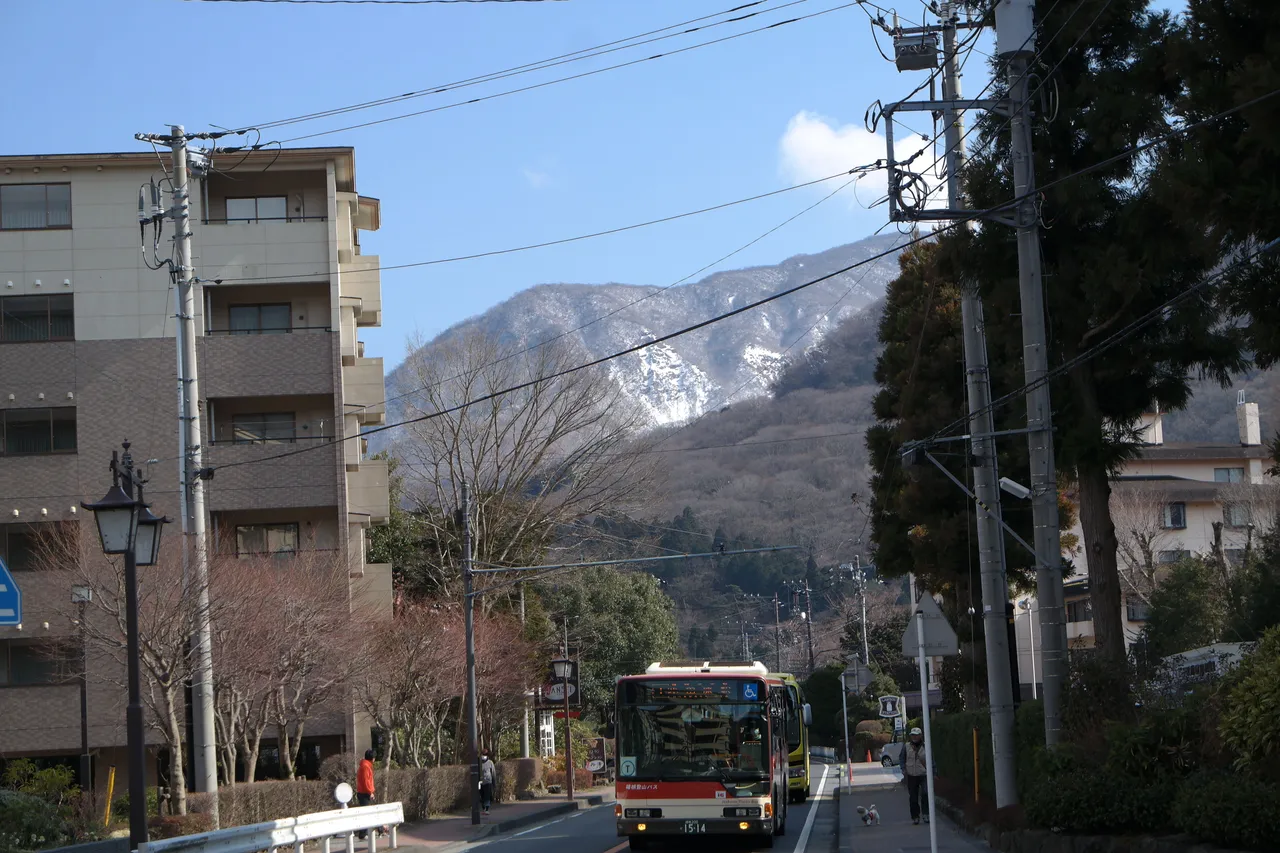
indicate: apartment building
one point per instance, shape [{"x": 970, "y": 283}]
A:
[
  {"x": 1173, "y": 500},
  {"x": 87, "y": 359}
]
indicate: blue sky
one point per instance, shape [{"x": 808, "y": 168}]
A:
[{"x": 674, "y": 134}]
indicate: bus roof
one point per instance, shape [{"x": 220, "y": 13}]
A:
[{"x": 720, "y": 667}]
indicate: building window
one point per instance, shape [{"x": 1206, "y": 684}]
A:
[
  {"x": 1136, "y": 609},
  {"x": 35, "y": 206},
  {"x": 1166, "y": 558},
  {"x": 264, "y": 428},
  {"x": 24, "y": 319},
  {"x": 1175, "y": 516},
  {"x": 260, "y": 319},
  {"x": 24, "y": 663},
  {"x": 1228, "y": 475},
  {"x": 1079, "y": 610},
  {"x": 1237, "y": 515},
  {"x": 260, "y": 209},
  {"x": 274, "y": 539},
  {"x": 31, "y": 432}
]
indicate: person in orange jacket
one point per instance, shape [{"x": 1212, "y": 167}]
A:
[{"x": 364, "y": 781}]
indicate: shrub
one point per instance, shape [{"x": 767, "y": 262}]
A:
[
  {"x": 1228, "y": 810},
  {"x": 870, "y": 726},
  {"x": 582, "y": 779},
  {"x": 411, "y": 786},
  {"x": 257, "y": 802},
  {"x": 173, "y": 826},
  {"x": 339, "y": 768},
  {"x": 1085, "y": 799},
  {"x": 120, "y": 807},
  {"x": 28, "y": 822},
  {"x": 518, "y": 776},
  {"x": 448, "y": 789},
  {"x": 1251, "y": 712}
]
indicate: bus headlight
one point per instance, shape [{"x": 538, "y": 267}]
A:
[
  {"x": 641, "y": 827},
  {"x": 795, "y": 772},
  {"x": 744, "y": 825}
]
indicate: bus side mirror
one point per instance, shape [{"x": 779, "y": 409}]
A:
[{"x": 807, "y": 714}]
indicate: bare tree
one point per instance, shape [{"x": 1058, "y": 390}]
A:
[
  {"x": 555, "y": 451},
  {"x": 166, "y": 618},
  {"x": 1138, "y": 514}
]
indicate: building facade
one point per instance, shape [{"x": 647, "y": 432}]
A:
[
  {"x": 88, "y": 359},
  {"x": 1173, "y": 500}
]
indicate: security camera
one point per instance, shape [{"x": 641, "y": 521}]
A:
[{"x": 1015, "y": 488}]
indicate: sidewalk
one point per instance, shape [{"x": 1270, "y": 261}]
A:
[
  {"x": 453, "y": 831},
  {"x": 895, "y": 831}
]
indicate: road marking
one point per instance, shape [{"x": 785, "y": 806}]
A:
[
  {"x": 813, "y": 812},
  {"x": 623, "y": 846},
  {"x": 539, "y": 826}
]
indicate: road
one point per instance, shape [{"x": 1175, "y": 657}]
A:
[{"x": 811, "y": 828}]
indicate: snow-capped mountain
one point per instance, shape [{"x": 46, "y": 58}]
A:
[{"x": 727, "y": 361}]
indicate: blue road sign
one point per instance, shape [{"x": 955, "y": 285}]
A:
[{"x": 10, "y": 598}]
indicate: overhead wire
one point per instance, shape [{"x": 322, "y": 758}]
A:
[
  {"x": 593, "y": 52},
  {"x": 579, "y": 76}
]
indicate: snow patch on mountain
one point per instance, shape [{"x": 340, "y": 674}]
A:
[{"x": 669, "y": 388}]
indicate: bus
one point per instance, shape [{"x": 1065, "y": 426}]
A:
[
  {"x": 799, "y": 718},
  {"x": 701, "y": 750}
]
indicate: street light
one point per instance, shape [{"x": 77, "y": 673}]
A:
[
  {"x": 81, "y": 596},
  {"x": 124, "y": 525},
  {"x": 563, "y": 669}
]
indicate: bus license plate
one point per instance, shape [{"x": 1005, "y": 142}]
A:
[{"x": 694, "y": 827}]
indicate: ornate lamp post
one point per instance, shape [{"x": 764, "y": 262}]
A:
[{"x": 127, "y": 527}]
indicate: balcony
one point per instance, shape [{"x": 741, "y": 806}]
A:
[
  {"x": 362, "y": 281},
  {"x": 265, "y": 365},
  {"x": 367, "y": 492},
  {"x": 263, "y": 249},
  {"x": 364, "y": 391},
  {"x": 272, "y": 476}
]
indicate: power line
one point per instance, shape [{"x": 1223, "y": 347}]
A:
[
  {"x": 568, "y": 78},
  {"x": 564, "y": 240},
  {"x": 775, "y": 296},
  {"x": 540, "y": 65}
]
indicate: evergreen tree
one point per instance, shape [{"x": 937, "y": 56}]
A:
[{"x": 1112, "y": 252}]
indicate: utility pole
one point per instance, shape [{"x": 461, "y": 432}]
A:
[
  {"x": 777, "y": 634},
  {"x": 468, "y": 611},
  {"x": 916, "y": 51},
  {"x": 1015, "y": 42},
  {"x": 862, "y": 593},
  {"x": 985, "y": 470},
  {"x": 195, "y": 553},
  {"x": 524, "y": 720},
  {"x": 808, "y": 609}
]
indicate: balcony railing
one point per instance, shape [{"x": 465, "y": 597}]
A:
[
  {"x": 257, "y": 219},
  {"x": 272, "y": 432},
  {"x": 280, "y": 331}
]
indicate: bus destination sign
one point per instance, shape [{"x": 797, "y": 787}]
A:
[{"x": 695, "y": 690}]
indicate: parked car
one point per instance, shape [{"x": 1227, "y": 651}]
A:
[{"x": 891, "y": 755}]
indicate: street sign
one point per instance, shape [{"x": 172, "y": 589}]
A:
[
  {"x": 939, "y": 637},
  {"x": 10, "y": 598},
  {"x": 596, "y": 765},
  {"x": 898, "y": 725},
  {"x": 572, "y": 715},
  {"x": 890, "y": 706},
  {"x": 857, "y": 677},
  {"x": 551, "y": 694}
]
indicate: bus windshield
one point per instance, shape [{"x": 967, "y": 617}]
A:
[{"x": 728, "y": 741}]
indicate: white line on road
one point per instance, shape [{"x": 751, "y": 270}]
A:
[
  {"x": 813, "y": 812},
  {"x": 538, "y": 827}
]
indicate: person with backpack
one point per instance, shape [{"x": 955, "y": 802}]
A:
[
  {"x": 915, "y": 772},
  {"x": 488, "y": 779}
]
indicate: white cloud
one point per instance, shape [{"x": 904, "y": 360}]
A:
[
  {"x": 814, "y": 147},
  {"x": 537, "y": 180}
]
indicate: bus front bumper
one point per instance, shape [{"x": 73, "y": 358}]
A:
[{"x": 693, "y": 828}]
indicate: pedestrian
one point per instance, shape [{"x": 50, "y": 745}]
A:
[
  {"x": 915, "y": 772},
  {"x": 488, "y": 778},
  {"x": 364, "y": 782}
]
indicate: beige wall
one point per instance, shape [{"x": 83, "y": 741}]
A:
[{"x": 309, "y": 303}]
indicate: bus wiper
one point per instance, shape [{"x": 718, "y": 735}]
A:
[{"x": 725, "y": 779}]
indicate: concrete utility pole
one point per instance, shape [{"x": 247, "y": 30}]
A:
[
  {"x": 195, "y": 553},
  {"x": 568, "y": 721},
  {"x": 808, "y": 609},
  {"x": 985, "y": 470},
  {"x": 777, "y": 634},
  {"x": 468, "y": 612},
  {"x": 524, "y": 720},
  {"x": 1015, "y": 42}
]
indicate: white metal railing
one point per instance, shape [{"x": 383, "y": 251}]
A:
[{"x": 291, "y": 832}]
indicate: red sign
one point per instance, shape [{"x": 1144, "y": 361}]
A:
[{"x": 573, "y": 714}]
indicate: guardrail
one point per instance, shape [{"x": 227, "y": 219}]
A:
[
  {"x": 823, "y": 752},
  {"x": 291, "y": 832}
]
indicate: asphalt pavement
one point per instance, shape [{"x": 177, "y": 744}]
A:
[{"x": 811, "y": 828}]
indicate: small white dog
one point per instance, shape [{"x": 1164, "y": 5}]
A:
[{"x": 869, "y": 815}]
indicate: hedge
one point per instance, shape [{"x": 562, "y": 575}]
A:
[
  {"x": 953, "y": 746},
  {"x": 28, "y": 822},
  {"x": 1228, "y": 810},
  {"x": 424, "y": 792}
]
